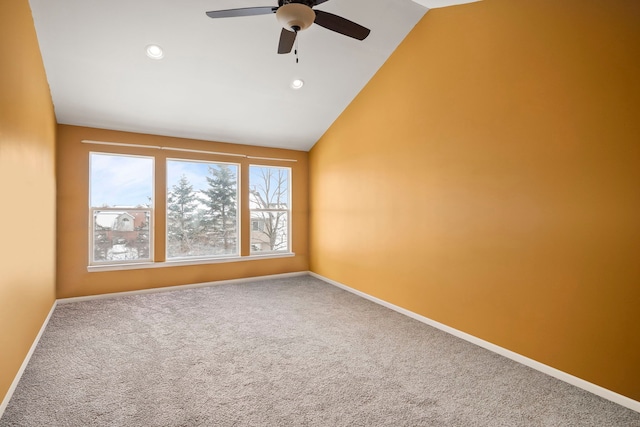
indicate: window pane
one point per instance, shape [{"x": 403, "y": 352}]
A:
[
  {"x": 269, "y": 204},
  {"x": 121, "y": 235},
  {"x": 202, "y": 209},
  {"x": 270, "y": 231},
  {"x": 120, "y": 181},
  {"x": 121, "y": 198}
]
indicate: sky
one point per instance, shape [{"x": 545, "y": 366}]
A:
[
  {"x": 196, "y": 173},
  {"x": 118, "y": 180}
]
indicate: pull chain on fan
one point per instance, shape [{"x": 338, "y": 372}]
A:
[{"x": 295, "y": 51}]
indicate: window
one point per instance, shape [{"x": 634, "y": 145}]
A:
[
  {"x": 270, "y": 206},
  {"x": 121, "y": 203},
  {"x": 202, "y": 209},
  {"x": 200, "y": 221}
]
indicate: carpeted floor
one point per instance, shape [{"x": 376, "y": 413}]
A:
[{"x": 286, "y": 352}]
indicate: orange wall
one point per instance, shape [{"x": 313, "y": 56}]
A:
[
  {"x": 488, "y": 177},
  {"x": 27, "y": 190},
  {"x": 73, "y": 279}
]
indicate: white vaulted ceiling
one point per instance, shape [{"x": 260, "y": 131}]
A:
[{"x": 220, "y": 79}]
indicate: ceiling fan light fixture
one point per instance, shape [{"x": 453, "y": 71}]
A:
[
  {"x": 297, "y": 84},
  {"x": 295, "y": 16}
]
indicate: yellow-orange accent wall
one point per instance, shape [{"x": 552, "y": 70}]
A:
[
  {"x": 73, "y": 278},
  {"x": 27, "y": 190},
  {"x": 488, "y": 177}
]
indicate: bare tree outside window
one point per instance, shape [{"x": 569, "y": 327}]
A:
[{"x": 269, "y": 199}]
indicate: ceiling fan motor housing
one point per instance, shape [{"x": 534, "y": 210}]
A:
[{"x": 295, "y": 16}]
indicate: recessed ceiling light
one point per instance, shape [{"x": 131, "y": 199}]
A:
[
  {"x": 154, "y": 51},
  {"x": 297, "y": 84}
]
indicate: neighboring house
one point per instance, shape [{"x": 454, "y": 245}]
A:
[
  {"x": 121, "y": 235},
  {"x": 124, "y": 222},
  {"x": 260, "y": 241},
  {"x": 261, "y": 224},
  {"x": 119, "y": 221},
  {"x": 260, "y": 236}
]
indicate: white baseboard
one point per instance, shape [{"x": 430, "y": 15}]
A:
[
  {"x": 25, "y": 362},
  {"x": 556, "y": 373},
  {"x": 178, "y": 287}
]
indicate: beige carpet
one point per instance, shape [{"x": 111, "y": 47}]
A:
[{"x": 290, "y": 352}]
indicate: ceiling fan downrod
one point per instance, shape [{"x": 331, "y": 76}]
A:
[{"x": 309, "y": 3}]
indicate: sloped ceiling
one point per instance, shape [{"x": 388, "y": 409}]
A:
[{"x": 219, "y": 80}]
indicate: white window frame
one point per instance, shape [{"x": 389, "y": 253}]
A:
[
  {"x": 238, "y": 212},
  {"x": 288, "y": 211},
  {"x": 92, "y": 211},
  {"x": 241, "y": 220}
]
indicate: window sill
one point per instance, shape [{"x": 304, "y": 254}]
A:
[{"x": 186, "y": 262}]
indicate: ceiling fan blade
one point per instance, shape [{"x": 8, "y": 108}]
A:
[
  {"x": 341, "y": 25},
  {"x": 287, "y": 38},
  {"x": 246, "y": 11},
  {"x": 317, "y": 2}
]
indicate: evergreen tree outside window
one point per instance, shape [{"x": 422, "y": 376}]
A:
[{"x": 202, "y": 209}]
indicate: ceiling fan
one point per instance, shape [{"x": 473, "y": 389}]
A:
[{"x": 297, "y": 15}]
